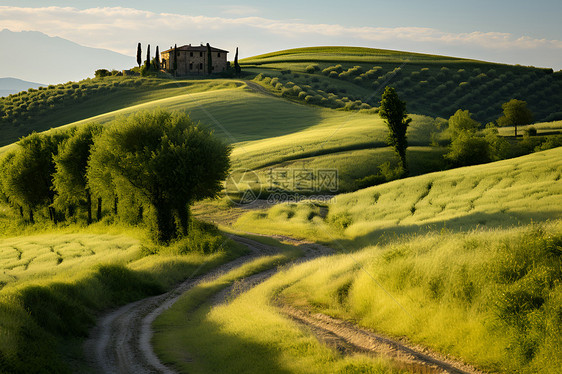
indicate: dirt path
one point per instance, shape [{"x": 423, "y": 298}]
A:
[
  {"x": 258, "y": 88},
  {"x": 120, "y": 342},
  {"x": 349, "y": 338}
]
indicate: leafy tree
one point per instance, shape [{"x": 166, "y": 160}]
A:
[
  {"x": 69, "y": 180},
  {"x": 237, "y": 68},
  {"x": 209, "y": 60},
  {"x": 515, "y": 113},
  {"x": 393, "y": 111},
  {"x": 28, "y": 180},
  {"x": 147, "y": 62},
  {"x": 157, "y": 60},
  {"x": 468, "y": 148},
  {"x": 165, "y": 160},
  {"x": 462, "y": 121},
  {"x": 139, "y": 55}
]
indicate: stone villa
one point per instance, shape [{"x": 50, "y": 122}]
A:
[{"x": 193, "y": 60}]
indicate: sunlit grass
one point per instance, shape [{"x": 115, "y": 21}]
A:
[
  {"x": 499, "y": 194},
  {"x": 246, "y": 334},
  {"x": 462, "y": 294}
]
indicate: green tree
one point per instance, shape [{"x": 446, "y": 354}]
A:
[
  {"x": 69, "y": 180},
  {"x": 462, "y": 121},
  {"x": 393, "y": 111},
  {"x": 515, "y": 113},
  {"x": 28, "y": 180},
  {"x": 165, "y": 160},
  {"x": 147, "y": 62},
  {"x": 139, "y": 55},
  {"x": 237, "y": 68},
  {"x": 209, "y": 60},
  {"x": 157, "y": 60},
  {"x": 468, "y": 148}
]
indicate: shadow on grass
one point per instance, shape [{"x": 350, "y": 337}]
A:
[
  {"x": 466, "y": 223},
  {"x": 202, "y": 346},
  {"x": 36, "y": 320}
]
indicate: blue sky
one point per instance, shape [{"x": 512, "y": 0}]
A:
[{"x": 524, "y": 32}]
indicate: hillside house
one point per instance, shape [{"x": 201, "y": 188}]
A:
[{"x": 193, "y": 60}]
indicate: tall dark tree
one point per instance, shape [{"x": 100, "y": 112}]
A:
[
  {"x": 166, "y": 161},
  {"x": 175, "y": 65},
  {"x": 393, "y": 111},
  {"x": 515, "y": 113},
  {"x": 209, "y": 60},
  {"x": 237, "y": 68},
  {"x": 139, "y": 55},
  {"x": 157, "y": 60},
  {"x": 69, "y": 180},
  {"x": 147, "y": 62}
]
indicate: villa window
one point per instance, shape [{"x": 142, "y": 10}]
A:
[
  {"x": 218, "y": 54},
  {"x": 191, "y": 66},
  {"x": 190, "y": 54},
  {"x": 200, "y": 54},
  {"x": 201, "y": 66}
]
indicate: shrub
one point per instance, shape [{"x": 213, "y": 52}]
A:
[
  {"x": 100, "y": 73},
  {"x": 312, "y": 68},
  {"x": 530, "y": 131},
  {"x": 468, "y": 148}
]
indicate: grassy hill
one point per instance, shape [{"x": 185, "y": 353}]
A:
[
  {"x": 268, "y": 131},
  {"x": 432, "y": 85},
  {"x": 500, "y": 194},
  {"x": 466, "y": 261}
]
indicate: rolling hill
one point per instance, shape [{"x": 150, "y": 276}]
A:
[
  {"x": 432, "y": 85},
  {"x": 501, "y": 194},
  {"x": 466, "y": 252}
]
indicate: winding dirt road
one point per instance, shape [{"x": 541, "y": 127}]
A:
[{"x": 120, "y": 342}]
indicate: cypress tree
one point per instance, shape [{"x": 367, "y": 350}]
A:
[
  {"x": 209, "y": 60},
  {"x": 148, "y": 56},
  {"x": 236, "y": 65},
  {"x": 157, "y": 59},
  {"x": 139, "y": 55}
]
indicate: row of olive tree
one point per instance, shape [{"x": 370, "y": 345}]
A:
[{"x": 159, "y": 162}]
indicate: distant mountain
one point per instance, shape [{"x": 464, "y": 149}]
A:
[
  {"x": 13, "y": 85},
  {"x": 34, "y": 56}
]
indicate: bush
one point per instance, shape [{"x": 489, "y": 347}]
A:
[
  {"x": 468, "y": 149},
  {"x": 530, "y": 131},
  {"x": 312, "y": 68},
  {"x": 100, "y": 73}
]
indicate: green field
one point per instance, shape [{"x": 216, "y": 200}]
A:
[
  {"x": 245, "y": 334},
  {"x": 501, "y": 194},
  {"x": 462, "y": 264},
  {"x": 432, "y": 85},
  {"x": 270, "y": 132}
]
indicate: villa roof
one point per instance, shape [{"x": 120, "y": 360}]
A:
[{"x": 190, "y": 48}]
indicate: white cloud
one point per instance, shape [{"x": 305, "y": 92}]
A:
[
  {"x": 118, "y": 29},
  {"x": 239, "y": 10}
]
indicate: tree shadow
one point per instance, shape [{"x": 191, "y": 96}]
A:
[
  {"x": 466, "y": 223},
  {"x": 206, "y": 347}
]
